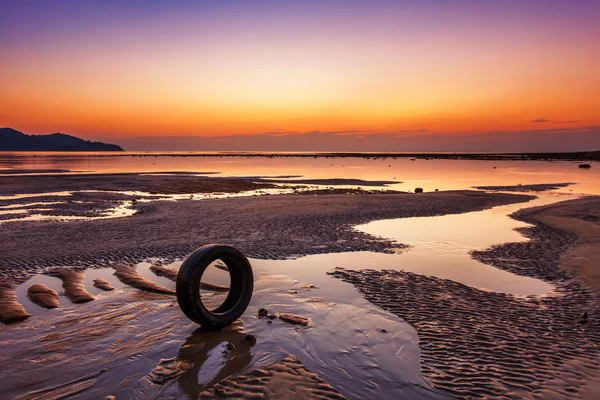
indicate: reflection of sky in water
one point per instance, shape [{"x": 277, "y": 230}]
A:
[
  {"x": 431, "y": 174},
  {"x": 440, "y": 247}
]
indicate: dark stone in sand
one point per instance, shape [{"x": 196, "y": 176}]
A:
[
  {"x": 383, "y": 331},
  {"x": 263, "y": 312},
  {"x": 43, "y": 296},
  {"x": 419, "y": 190},
  {"x": 249, "y": 339},
  {"x": 586, "y": 166}
]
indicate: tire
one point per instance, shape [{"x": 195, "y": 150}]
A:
[{"x": 240, "y": 287}]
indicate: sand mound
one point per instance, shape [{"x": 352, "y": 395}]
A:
[
  {"x": 166, "y": 272},
  {"x": 10, "y": 309},
  {"x": 285, "y": 380},
  {"x": 43, "y": 296},
  {"x": 103, "y": 284},
  {"x": 73, "y": 283},
  {"x": 128, "y": 275}
]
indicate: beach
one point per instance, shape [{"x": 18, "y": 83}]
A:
[{"x": 400, "y": 334}]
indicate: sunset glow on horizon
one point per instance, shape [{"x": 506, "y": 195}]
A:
[{"x": 126, "y": 70}]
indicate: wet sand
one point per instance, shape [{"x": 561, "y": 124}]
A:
[
  {"x": 474, "y": 343},
  {"x": 131, "y": 343},
  {"x": 541, "y": 187},
  {"x": 150, "y": 183},
  {"x": 582, "y": 219},
  {"x": 121, "y": 328},
  {"x": 477, "y": 343},
  {"x": 288, "y": 379}
]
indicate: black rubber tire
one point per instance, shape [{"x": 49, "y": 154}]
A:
[{"x": 240, "y": 287}]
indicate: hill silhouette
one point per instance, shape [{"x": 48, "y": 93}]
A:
[{"x": 13, "y": 140}]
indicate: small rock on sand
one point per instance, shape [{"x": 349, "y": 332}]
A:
[
  {"x": 419, "y": 190},
  {"x": 263, "y": 312},
  {"x": 43, "y": 296},
  {"x": 103, "y": 284},
  {"x": 249, "y": 339},
  {"x": 295, "y": 319},
  {"x": 586, "y": 166}
]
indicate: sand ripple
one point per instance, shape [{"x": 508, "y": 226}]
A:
[
  {"x": 284, "y": 380},
  {"x": 476, "y": 343}
]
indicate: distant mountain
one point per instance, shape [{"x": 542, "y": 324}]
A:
[{"x": 13, "y": 140}]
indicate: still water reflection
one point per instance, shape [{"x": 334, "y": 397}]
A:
[{"x": 428, "y": 174}]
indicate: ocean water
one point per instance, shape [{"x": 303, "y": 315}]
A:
[{"x": 429, "y": 174}]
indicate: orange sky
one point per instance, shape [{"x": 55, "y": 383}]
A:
[{"x": 469, "y": 68}]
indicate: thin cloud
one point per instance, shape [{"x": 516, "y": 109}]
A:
[
  {"x": 556, "y": 139},
  {"x": 541, "y": 120},
  {"x": 409, "y": 132},
  {"x": 281, "y": 132},
  {"x": 339, "y": 133},
  {"x": 413, "y": 131}
]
